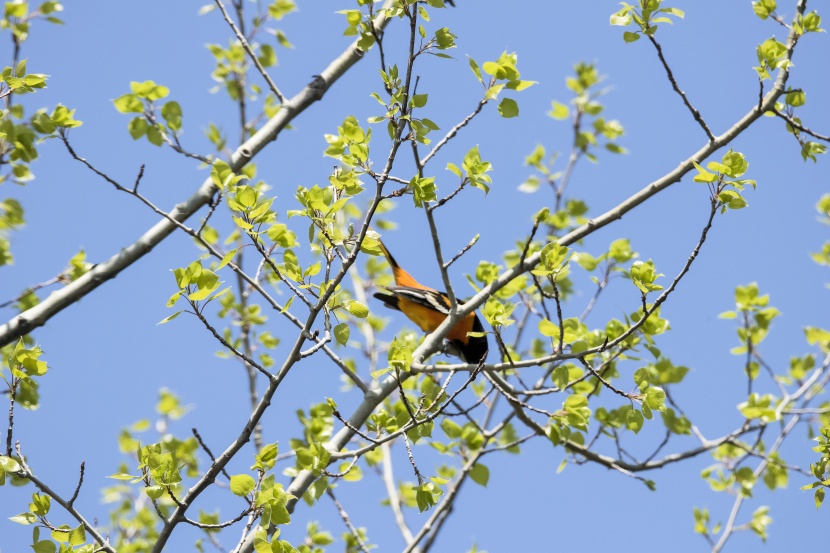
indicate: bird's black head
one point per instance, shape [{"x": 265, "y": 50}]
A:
[{"x": 476, "y": 348}]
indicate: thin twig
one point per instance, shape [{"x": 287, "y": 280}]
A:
[
  {"x": 695, "y": 112},
  {"x": 354, "y": 429},
  {"x": 793, "y": 123},
  {"x": 34, "y": 288},
  {"x": 464, "y": 250},
  {"x": 607, "y": 384},
  {"x": 10, "y": 429},
  {"x": 392, "y": 493},
  {"x": 218, "y": 526},
  {"x": 227, "y": 344},
  {"x": 507, "y": 391},
  {"x": 345, "y": 517},
  {"x": 453, "y": 131},
  {"x": 418, "y": 474},
  {"x": 208, "y": 451},
  {"x": 80, "y": 483}
]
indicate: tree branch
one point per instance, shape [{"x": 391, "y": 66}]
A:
[
  {"x": 27, "y": 473},
  {"x": 792, "y": 122}
]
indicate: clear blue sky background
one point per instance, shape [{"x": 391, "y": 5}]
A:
[{"x": 109, "y": 359}]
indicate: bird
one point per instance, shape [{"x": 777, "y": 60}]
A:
[{"x": 428, "y": 308}]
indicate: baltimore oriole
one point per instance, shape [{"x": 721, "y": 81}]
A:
[{"x": 428, "y": 308}]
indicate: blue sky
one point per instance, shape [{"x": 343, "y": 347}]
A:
[{"x": 109, "y": 358}]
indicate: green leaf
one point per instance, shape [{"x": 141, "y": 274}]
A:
[
  {"x": 634, "y": 420},
  {"x": 451, "y": 428},
  {"x": 703, "y": 175},
  {"x": 559, "y": 111},
  {"x": 764, "y": 8},
  {"x": 480, "y": 474},
  {"x": 154, "y": 135},
  {"x": 267, "y": 56},
  {"x": 128, "y": 103},
  {"x": 552, "y": 259},
  {"x": 493, "y": 92},
  {"x": 677, "y": 12},
  {"x": 548, "y": 328},
  {"x": 44, "y": 546},
  {"x": 341, "y": 333},
  {"x": 121, "y": 476},
  {"x": 444, "y": 39},
  {"x": 77, "y": 536},
  {"x": 246, "y": 196},
  {"x": 172, "y": 113},
  {"x": 760, "y": 407},
  {"x": 736, "y": 162},
  {"x": 620, "y": 251},
  {"x": 62, "y": 116},
  {"x": 226, "y": 258},
  {"x": 732, "y": 200},
  {"x": 796, "y": 98},
  {"x": 475, "y": 68},
  {"x": 816, "y": 335},
  {"x": 16, "y": 8},
  {"x": 621, "y": 19},
  {"x": 508, "y": 108},
  {"x": 631, "y": 37},
  {"x": 149, "y": 90},
  {"x": 9, "y": 464},
  {"x": 138, "y": 127},
  {"x": 221, "y": 174},
  {"x": 24, "y": 518},
  {"x": 357, "y": 309},
  {"x": 242, "y": 484},
  {"x": 423, "y": 190},
  {"x": 643, "y": 275},
  {"x": 518, "y": 85}
]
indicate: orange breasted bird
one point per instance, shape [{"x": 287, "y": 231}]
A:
[{"x": 428, "y": 308}]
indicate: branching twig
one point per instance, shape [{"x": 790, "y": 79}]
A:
[
  {"x": 32, "y": 289},
  {"x": 103, "y": 543},
  {"x": 796, "y": 125}
]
